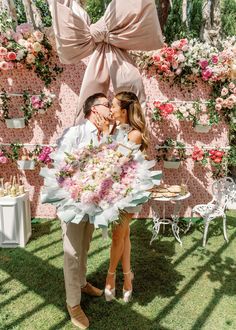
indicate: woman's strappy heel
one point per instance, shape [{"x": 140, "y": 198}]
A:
[
  {"x": 110, "y": 294},
  {"x": 127, "y": 294}
]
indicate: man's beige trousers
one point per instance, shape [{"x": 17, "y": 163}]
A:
[{"x": 76, "y": 241}]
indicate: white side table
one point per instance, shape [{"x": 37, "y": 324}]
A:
[
  {"x": 158, "y": 221},
  {"x": 15, "y": 221}
]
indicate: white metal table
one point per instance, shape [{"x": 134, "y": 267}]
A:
[{"x": 158, "y": 221}]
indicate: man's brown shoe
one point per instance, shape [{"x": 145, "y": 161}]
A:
[
  {"x": 91, "y": 290},
  {"x": 78, "y": 318}
]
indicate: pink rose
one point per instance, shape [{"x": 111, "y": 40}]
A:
[
  {"x": 181, "y": 58},
  {"x": 4, "y": 65},
  {"x": 219, "y": 100},
  {"x": 11, "y": 56},
  {"x": 11, "y": 65},
  {"x": 185, "y": 48},
  {"x": 224, "y": 91},
  {"x": 3, "y": 159},
  {"x": 3, "y": 51},
  {"x": 214, "y": 59},
  {"x": 178, "y": 71},
  {"x": 206, "y": 74},
  {"x": 231, "y": 85},
  {"x": 156, "y": 58},
  {"x": 203, "y": 64},
  {"x": 198, "y": 154},
  {"x": 218, "y": 107}
]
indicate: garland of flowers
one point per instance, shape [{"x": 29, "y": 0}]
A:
[
  {"x": 32, "y": 104},
  {"x": 176, "y": 151},
  {"x": 24, "y": 47},
  {"x": 17, "y": 151},
  {"x": 184, "y": 60},
  {"x": 198, "y": 112}
]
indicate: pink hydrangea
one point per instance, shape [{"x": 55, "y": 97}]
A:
[{"x": 3, "y": 158}]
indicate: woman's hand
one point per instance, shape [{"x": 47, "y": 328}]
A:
[{"x": 102, "y": 123}]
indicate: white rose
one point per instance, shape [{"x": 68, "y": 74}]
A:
[
  {"x": 20, "y": 55},
  {"x": 192, "y": 111},
  {"x": 185, "y": 114},
  {"x": 37, "y": 47},
  {"x": 38, "y": 35},
  {"x": 22, "y": 42},
  {"x": 30, "y": 58},
  {"x": 182, "y": 109}
]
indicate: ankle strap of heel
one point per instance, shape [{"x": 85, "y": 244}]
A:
[{"x": 111, "y": 273}]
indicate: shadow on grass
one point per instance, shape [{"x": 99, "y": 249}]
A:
[
  {"x": 208, "y": 267},
  {"x": 155, "y": 276}
]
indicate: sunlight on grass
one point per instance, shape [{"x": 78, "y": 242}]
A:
[{"x": 188, "y": 288}]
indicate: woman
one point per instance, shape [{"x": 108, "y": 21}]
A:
[{"x": 126, "y": 110}]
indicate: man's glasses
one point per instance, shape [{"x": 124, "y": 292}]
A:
[{"x": 107, "y": 105}]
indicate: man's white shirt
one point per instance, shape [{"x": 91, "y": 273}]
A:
[{"x": 77, "y": 137}]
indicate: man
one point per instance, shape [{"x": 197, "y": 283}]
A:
[{"x": 77, "y": 237}]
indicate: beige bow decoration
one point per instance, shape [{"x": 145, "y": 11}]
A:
[{"x": 126, "y": 25}]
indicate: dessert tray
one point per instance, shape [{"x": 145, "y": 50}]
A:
[{"x": 169, "y": 191}]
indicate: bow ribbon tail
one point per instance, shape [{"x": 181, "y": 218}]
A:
[
  {"x": 96, "y": 79},
  {"x": 125, "y": 76}
]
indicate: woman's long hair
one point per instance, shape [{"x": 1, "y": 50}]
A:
[{"x": 130, "y": 102}]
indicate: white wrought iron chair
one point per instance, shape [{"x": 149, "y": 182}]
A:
[{"x": 224, "y": 191}]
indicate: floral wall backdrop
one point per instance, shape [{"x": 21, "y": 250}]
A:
[{"x": 46, "y": 128}]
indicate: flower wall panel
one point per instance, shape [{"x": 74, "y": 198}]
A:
[{"x": 45, "y": 129}]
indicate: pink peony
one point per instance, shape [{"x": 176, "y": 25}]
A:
[
  {"x": 17, "y": 36},
  {"x": 24, "y": 28}
]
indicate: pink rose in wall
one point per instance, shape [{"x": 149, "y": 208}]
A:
[{"x": 11, "y": 56}]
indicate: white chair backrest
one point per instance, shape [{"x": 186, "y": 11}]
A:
[{"x": 223, "y": 191}]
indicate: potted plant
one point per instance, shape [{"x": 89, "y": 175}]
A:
[
  {"x": 26, "y": 161},
  {"x": 215, "y": 157},
  {"x": 4, "y": 105},
  {"x": 202, "y": 115},
  {"x": 33, "y": 104},
  {"x": 172, "y": 153}
]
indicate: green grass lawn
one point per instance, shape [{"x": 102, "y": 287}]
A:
[{"x": 174, "y": 288}]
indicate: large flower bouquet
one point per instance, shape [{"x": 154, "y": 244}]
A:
[
  {"x": 98, "y": 181},
  {"x": 24, "y": 47}
]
